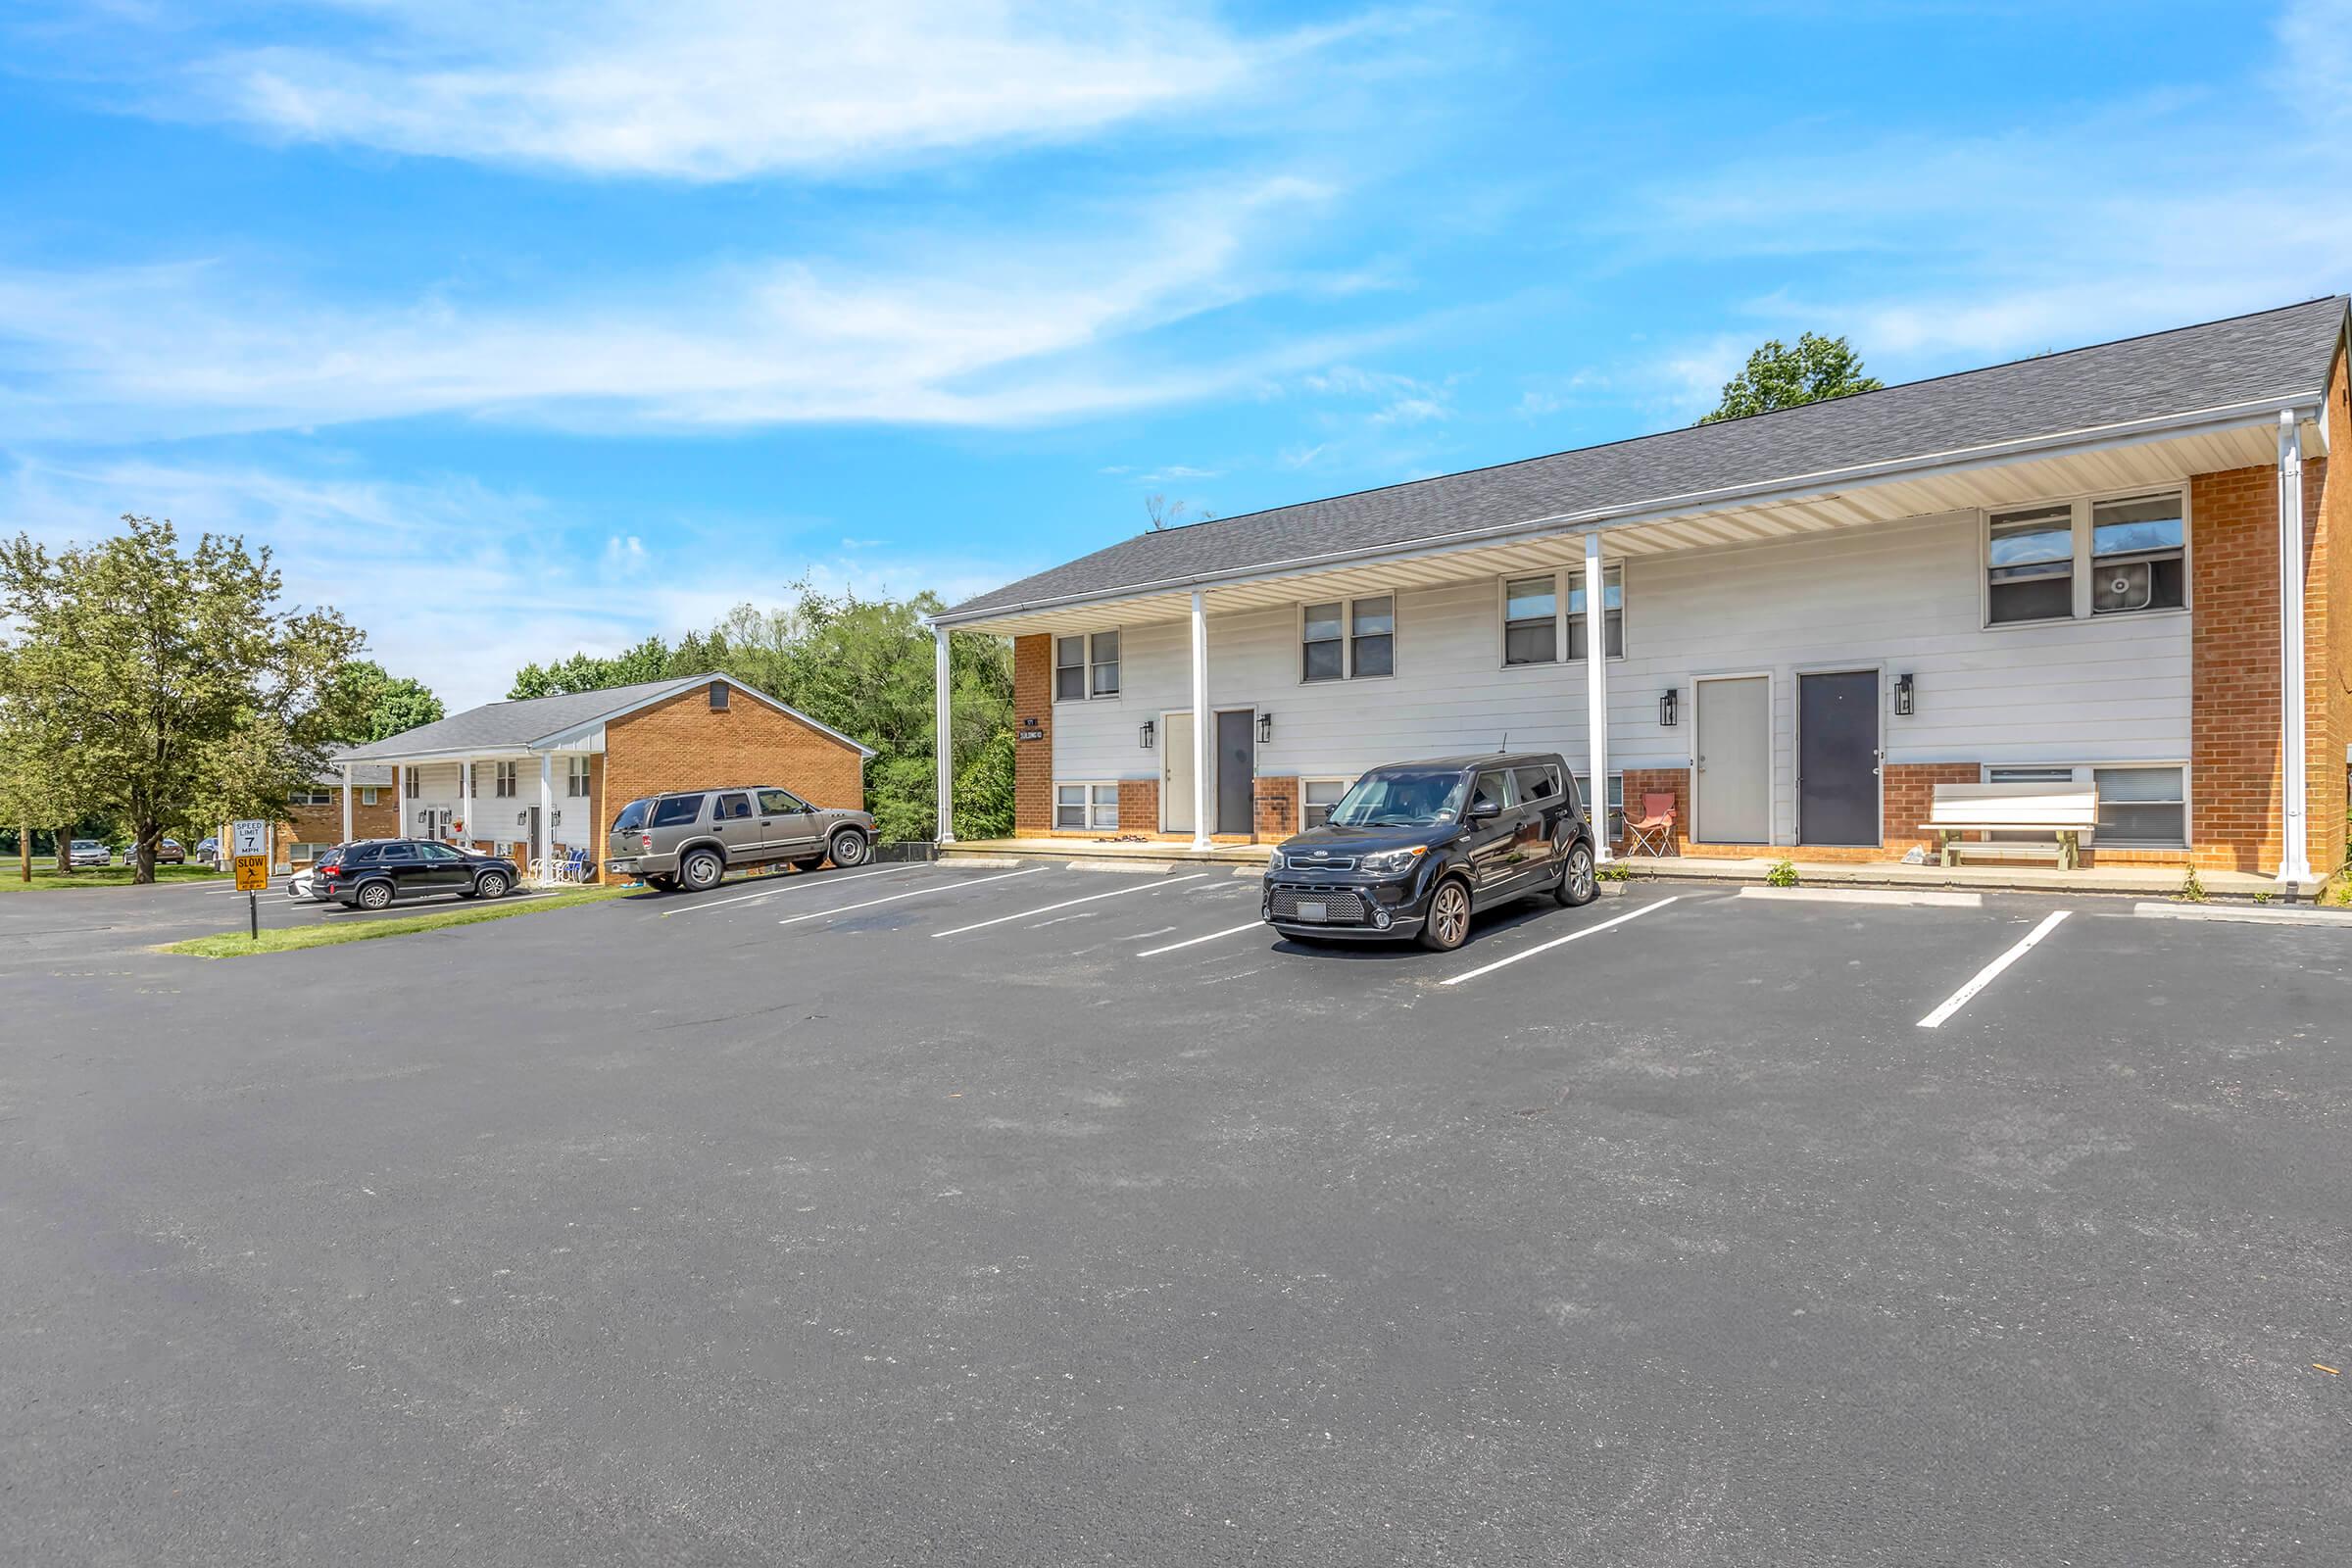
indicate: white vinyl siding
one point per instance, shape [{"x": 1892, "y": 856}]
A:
[
  {"x": 1906, "y": 596},
  {"x": 1080, "y": 807}
]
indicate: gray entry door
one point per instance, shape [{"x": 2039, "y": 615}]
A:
[
  {"x": 1237, "y": 770},
  {"x": 1837, "y": 757},
  {"x": 1731, "y": 795}
]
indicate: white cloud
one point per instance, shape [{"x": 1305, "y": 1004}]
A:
[
  {"x": 455, "y": 584},
  {"x": 719, "y": 89},
  {"x": 993, "y": 331}
]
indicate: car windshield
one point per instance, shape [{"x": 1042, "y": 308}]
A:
[{"x": 1401, "y": 797}]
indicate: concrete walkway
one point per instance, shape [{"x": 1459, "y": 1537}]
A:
[{"x": 2141, "y": 880}]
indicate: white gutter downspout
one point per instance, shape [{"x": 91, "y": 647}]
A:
[
  {"x": 2294, "y": 860},
  {"x": 1200, "y": 722},
  {"x": 1597, "y": 697}
]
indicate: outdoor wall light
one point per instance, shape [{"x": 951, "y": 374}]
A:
[
  {"x": 1903, "y": 696},
  {"x": 1265, "y": 729},
  {"x": 521, "y": 818},
  {"x": 1145, "y": 736},
  {"x": 1669, "y": 708}
]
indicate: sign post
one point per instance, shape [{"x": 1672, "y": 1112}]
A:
[{"x": 249, "y": 842}]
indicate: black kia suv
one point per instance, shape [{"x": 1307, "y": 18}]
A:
[{"x": 1415, "y": 849}]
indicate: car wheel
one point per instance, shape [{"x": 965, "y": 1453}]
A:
[
  {"x": 849, "y": 848},
  {"x": 491, "y": 885},
  {"x": 701, "y": 870},
  {"x": 1578, "y": 883},
  {"x": 375, "y": 896},
  {"x": 808, "y": 864},
  {"x": 1448, "y": 925}
]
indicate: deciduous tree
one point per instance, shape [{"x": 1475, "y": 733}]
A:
[{"x": 1779, "y": 376}]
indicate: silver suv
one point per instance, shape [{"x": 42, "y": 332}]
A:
[{"x": 692, "y": 837}]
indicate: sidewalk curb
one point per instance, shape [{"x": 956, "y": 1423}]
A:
[
  {"x": 2243, "y": 914},
  {"x": 1927, "y": 897}
]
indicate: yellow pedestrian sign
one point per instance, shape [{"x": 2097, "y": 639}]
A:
[{"x": 253, "y": 873}]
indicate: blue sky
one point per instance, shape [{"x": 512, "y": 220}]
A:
[{"x": 518, "y": 329}]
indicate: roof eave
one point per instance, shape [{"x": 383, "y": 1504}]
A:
[{"x": 2257, "y": 411}]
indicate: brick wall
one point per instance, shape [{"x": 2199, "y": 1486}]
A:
[
  {"x": 2329, "y": 662},
  {"x": 2234, "y": 672},
  {"x": 1139, "y": 806},
  {"x": 1674, "y": 781},
  {"x": 683, "y": 744},
  {"x": 1275, "y": 813},
  {"x": 1033, "y": 760},
  {"x": 1909, "y": 790},
  {"x": 324, "y": 824}
]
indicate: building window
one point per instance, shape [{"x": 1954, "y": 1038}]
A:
[
  {"x": 1077, "y": 675},
  {"x": 369, "y": 795},
  {"x": 2142, "y": 806},
  {"x": 1531, "y": 619},
  {"x": 311, "y": 796},
  {"x": 719, "y": 696},
  {"x": 1079, "y": 807},
  {"x": 1584, "y": 795},
  {"x": 575, "y": 777},
  {"x": 1545, "y": 620},
  {"x": 415, "y": 785},
  {"x": 1316, "y": 797},
  {"x": 2069, "y": 560},
  {"x": 302, "y": 854},
  {"x": 2030, "y": 564},
  {"x": 504, "y": 785},
  {"x": 2137, "y": 555},
  {"x": 1612, "y": 595},
  {"x": 1348, "y": 639}
]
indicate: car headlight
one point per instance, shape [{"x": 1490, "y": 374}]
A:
[{"x": 1389, "y": 862}]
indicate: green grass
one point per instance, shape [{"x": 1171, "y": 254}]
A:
[
  {"x": 286, "y": 939},
  {"x": 45, "y": 877}
]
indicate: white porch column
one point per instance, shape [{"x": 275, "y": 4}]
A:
[
  {"x": 944, "y": 735},
  {"x": 1596, "y": 696},
  {"x": 1201, "y": 739},
  {"x": 2294, "y": 862},
  {"x": 347, "y": 802},
  {"x": 472, "y": 829},
  {"x": 541, "y": 847}
]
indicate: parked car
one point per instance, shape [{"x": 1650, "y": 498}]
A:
[
  {"x": 373, "y": 872},
  {"x": 208, "y": 851},
  {"x": 690, "y": 838},
  {"x": 308, "y": 885},
  {"x": 167, "y": 852},
  {"x": 1416, "y": 849},
  {"x": 89, "y": 852}
]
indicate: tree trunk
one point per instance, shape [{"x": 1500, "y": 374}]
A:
[
  {"x": 65, "y": 850},
  {"x": 143, "y": 869}
]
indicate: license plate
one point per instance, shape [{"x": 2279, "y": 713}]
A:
[{"x": 1314, "y": 910}]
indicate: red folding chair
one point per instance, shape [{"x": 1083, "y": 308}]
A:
[{"x": 1653, "y": 834}]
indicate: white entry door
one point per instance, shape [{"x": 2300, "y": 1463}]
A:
[
  {"x": 1732, "y": 792},
  {"x": 1176, "y": 772}
]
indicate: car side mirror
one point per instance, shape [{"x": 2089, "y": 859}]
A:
[{"x": 1480, "y": 813}]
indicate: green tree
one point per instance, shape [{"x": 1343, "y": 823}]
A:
[
  {"x": 650, "y": 659},
  {"x": 385, "y": 705},
  {"x": 1779, "y": 376},
  {"x": 162, "y": 687}
]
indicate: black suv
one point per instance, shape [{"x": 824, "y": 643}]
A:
[
  {"x": 1414, "y": 849},
  {"x": 371, "y": 873}
]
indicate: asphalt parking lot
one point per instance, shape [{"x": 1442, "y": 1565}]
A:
[{"x": 1027, "y": 1215}]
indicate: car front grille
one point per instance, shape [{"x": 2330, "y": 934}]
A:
[
  {"x": 1340, "y": 906},
  {"x": 1307, "y": 862}
]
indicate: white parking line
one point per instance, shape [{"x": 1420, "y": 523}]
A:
[
  {"x": 1194, "y": 942},
  {"x": 782, "y": 884},
  {"x": 1987, "y": 975},
  {"x": 1573, "y": 936},
  {"x": 917, "y": 893},
  {"x": 1048, "y": 909}
]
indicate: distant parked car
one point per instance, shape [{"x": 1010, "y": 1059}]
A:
[
  {"x": 1414, "y": 849},
  {"x": 373, "y": 872},
  {"x": 208, "y": 850},
  {"x": 693, "y": 837},
  {"x": 89, "y": 852},
  {"x": 167, "y": 852},
  {"x": 308, "y": 884}
]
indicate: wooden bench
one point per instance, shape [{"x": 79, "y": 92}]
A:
[{"x": 2067, "y": 813}]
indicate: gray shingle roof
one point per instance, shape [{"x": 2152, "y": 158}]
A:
[
  {"x": 2273, "y": 354},
  {"x": 370, "y": 775},
  {"x": 496, "y": 726}
]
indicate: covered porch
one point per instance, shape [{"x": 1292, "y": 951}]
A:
[
  {"x": 1635, "y": 719},
  {"x": 536, "y": 806}
]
